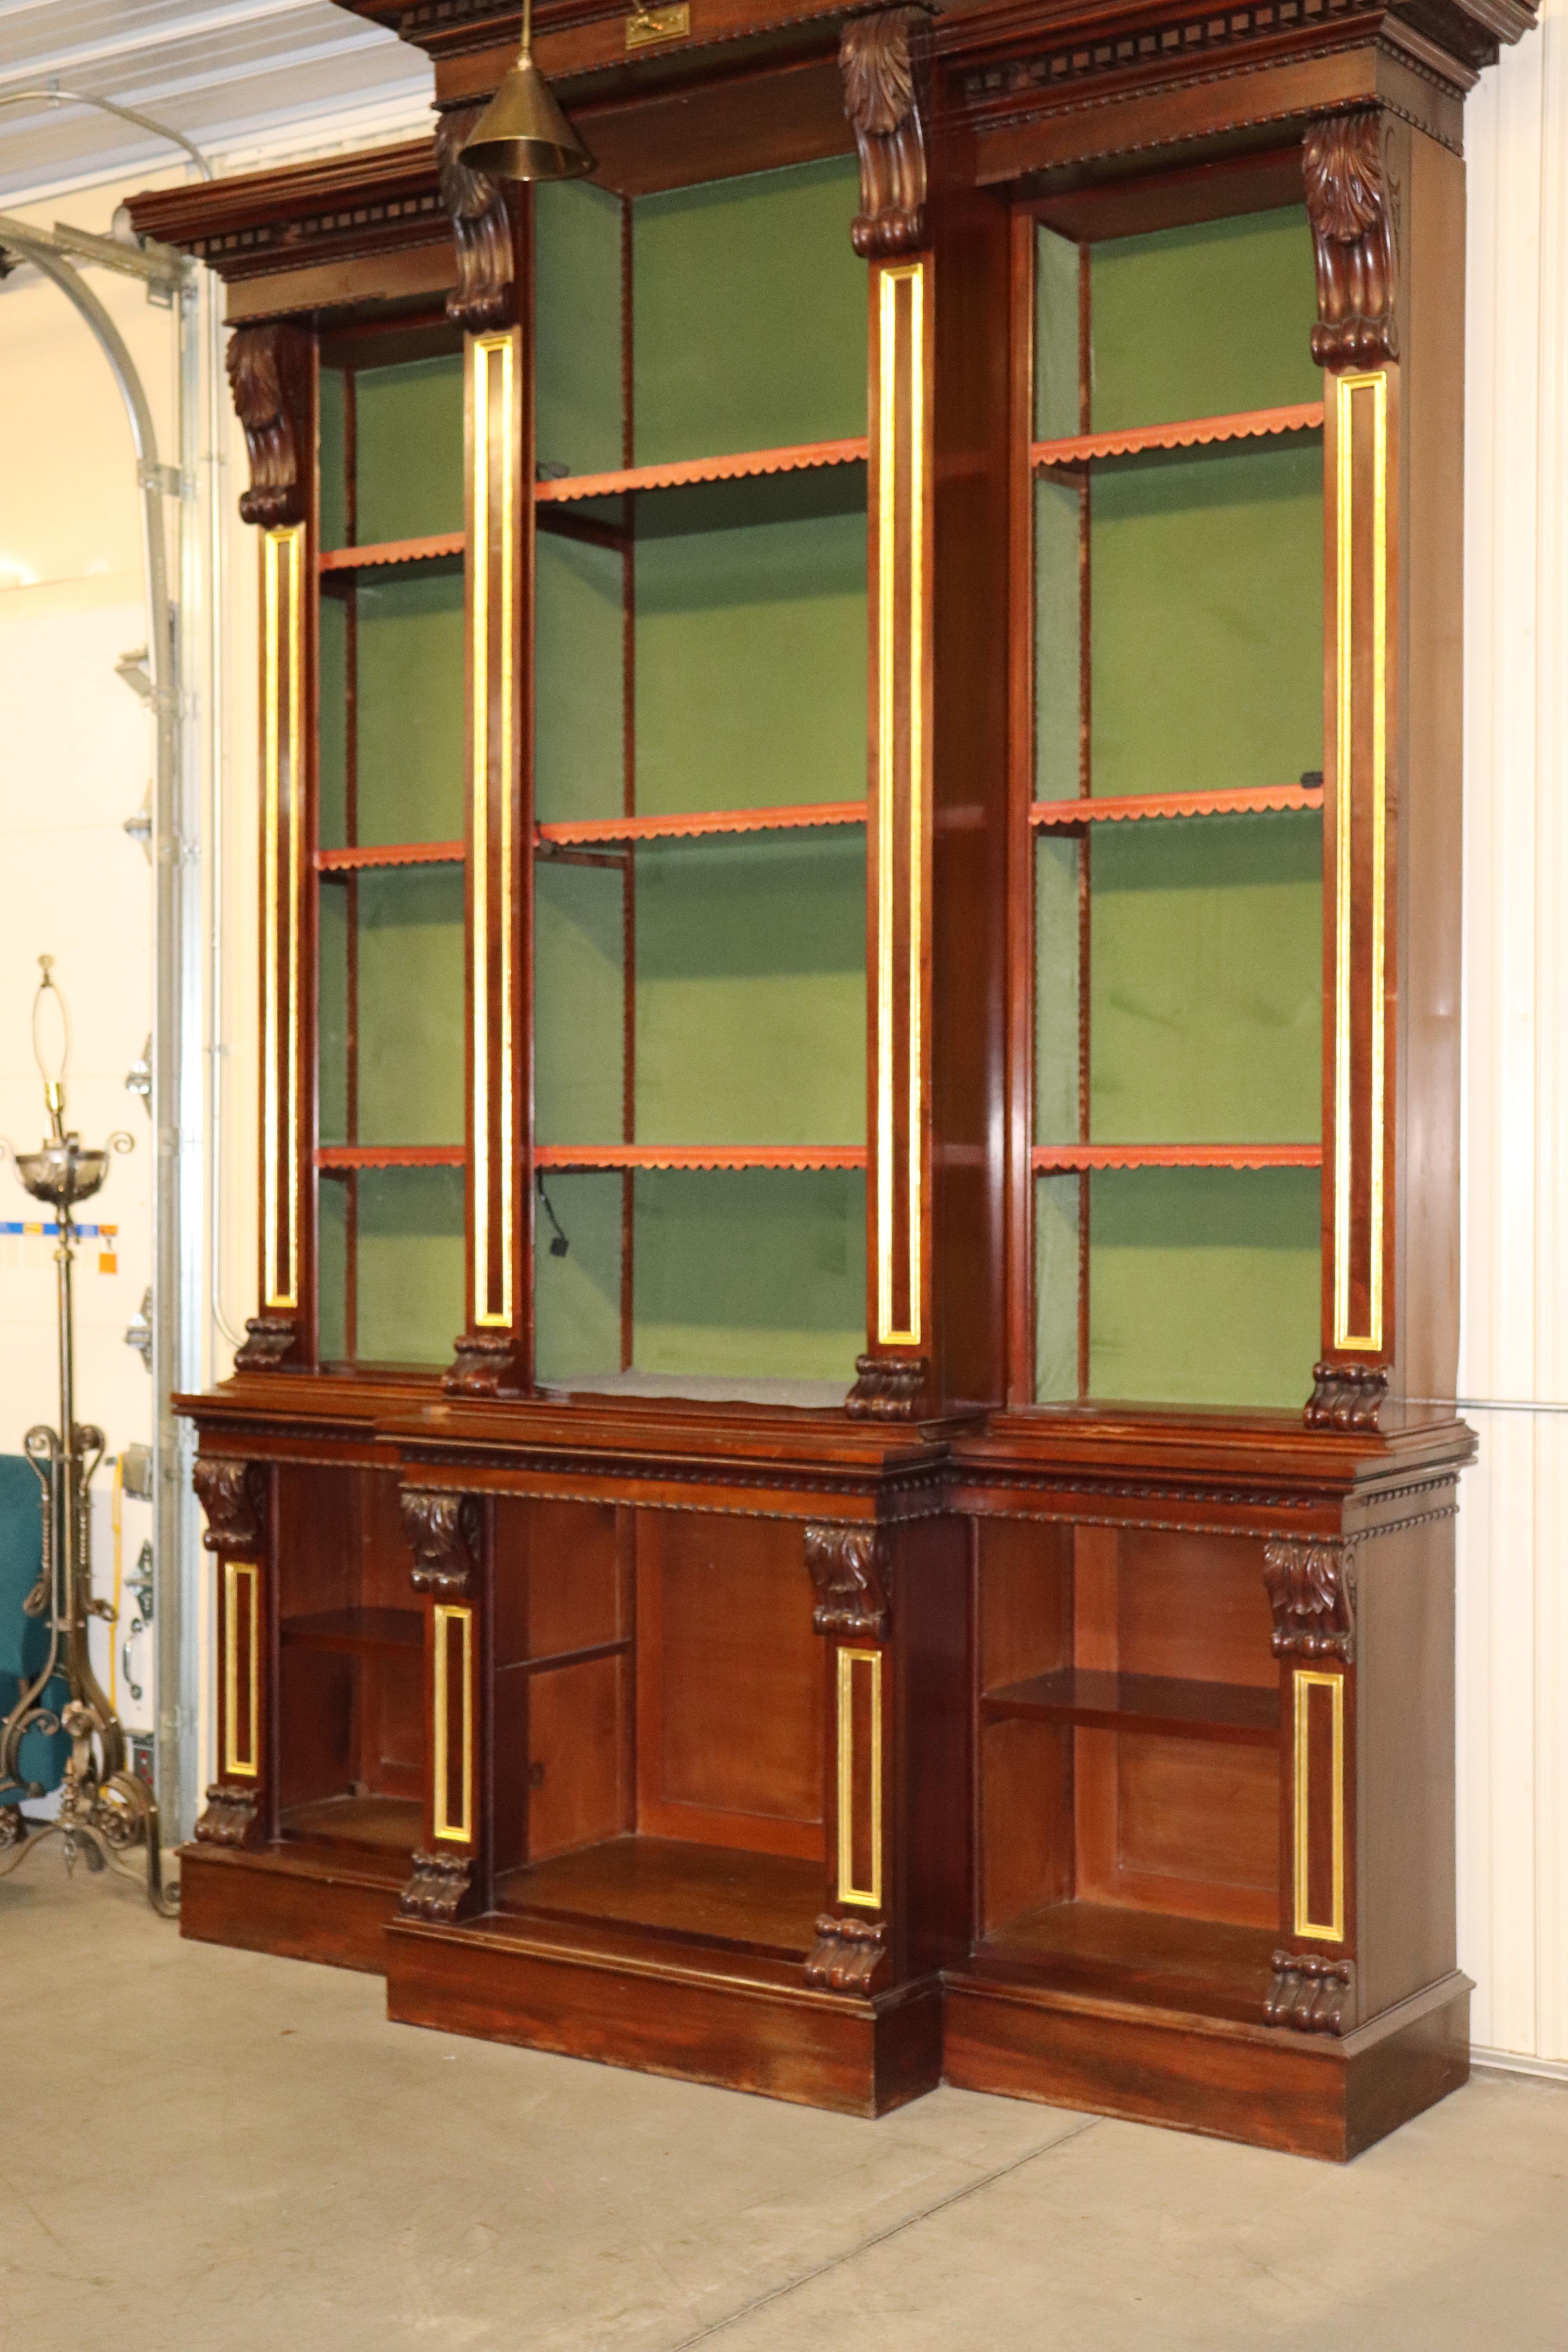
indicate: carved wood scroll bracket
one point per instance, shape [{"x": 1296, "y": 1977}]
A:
[
  {"x": 1353, "y": 202},
  {"x": 882, "y": 58},
  {"x": 233, "y": 1496},
  {"x": 1308, "y": 1992},
  {"x": 440, "y": 1888},
  {"x": 849, "y": 1568},
  {"x": 485, "y": 294},
  {"x": 846, "y": 1954},
  {"x": 269, "y": 1341},
  {"x": 886, "y": 1388},
  {"x": 1311, "y": 1592},
  {"x": 1346, "y": 1396},
  {"x": 268, "y": 374},
  {"x": 229, "y": 1818},
  {"x": 484, "y": 1365},
  {"x": 442, "y": 1530}
]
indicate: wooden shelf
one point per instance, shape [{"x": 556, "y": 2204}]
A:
[
  {"x": 338, "y": 1157},
  {"x": 1158, "y": 1706},
  {"x": 1257, "y": 800},
  {"x": 1189, "y": 432},
  {"x": 1067, "y": 1159},
  {"x": 387, "y": 854},
  {"x": 377, "y": 557},
  {"x": 1153, "y": 1958},
  {"x": 382, "y": 1824},
  {"x": 665, "y": 1887},
  {"x": 800, "y": 456},
  {"x": 590, "y": 832},
  {"x": 699, "y": 1155},
  {"x": 354, "y": 1629}
]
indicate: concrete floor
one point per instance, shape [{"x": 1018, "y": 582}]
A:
[{"x": 206, "y": 2151}]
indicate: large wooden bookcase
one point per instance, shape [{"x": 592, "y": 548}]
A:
[{"x": 841, "y": 1478}]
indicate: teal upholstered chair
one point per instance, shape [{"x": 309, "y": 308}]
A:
[{"x": 24, "y": 1641}]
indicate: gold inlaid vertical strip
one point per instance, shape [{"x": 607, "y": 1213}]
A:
[
  {"x": 492, "y": 556},
  {"x": 869, "y": 1896},
  {"x": 1348, "y": 391},
  {"x": 282, "y": 692},
  {"x": 239, "y": 1592},
  {"x": 900, "y": 527},
  {"x": 453, "y": 1622},
  {"x": 1304, "y": 1682}
]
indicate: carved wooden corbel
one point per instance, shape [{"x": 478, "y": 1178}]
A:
[
  {"x": 269, "y": 1340},
  {"x": 229, "y": 1818},
  {"x": 232, "y": 1495},
  {"x": 484, "y": 1364},
  {"x": 442, "y": 1530},
  {"x": 1346, "y": 1396},
  {"x": 1308, "y": 1992},
  {"x": 485, "y": 296},
  {"x": 846, "y": 1954},
  {"x": 268, "y": 374},
  {"x": 886, "y": 1388},
  {"x": 439, "y": 1889},
  {"x": 849, "y": 1568},
  {"x": 1311, "y": 1592},
  {"x": 881, "y": 59},
  {"x": 1352, "y": 201}
]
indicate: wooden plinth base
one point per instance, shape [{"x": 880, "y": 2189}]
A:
[
  {"x": 1308, "y": 2094},
  {"x": 748, "y": 2024},
  {"x": 300, "y": 1905}
]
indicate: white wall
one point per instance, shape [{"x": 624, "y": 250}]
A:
[{"x": 1514, "y": 1523}]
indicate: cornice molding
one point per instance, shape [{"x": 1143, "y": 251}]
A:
[{"x": 259, "y": 222}]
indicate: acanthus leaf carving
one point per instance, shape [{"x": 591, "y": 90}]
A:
[
  {"x": 849, "y": 1566},
  {"x": 1308, "y": 1992},
  {"x": 846, "y": 1954},
  {"x": 483, "y": 1365},
  {"x": 232, "y": 1495},
  {"x": 269, "y": 1341},
  {"x": 229, "y": 1818},
  {"x": 1350, "y": 199},
  {"x": 485, "y": 296},
  {"x": 442, "y": 1530},
  {"x": 440, "y": 1888},
  {"x": 886, "y": 1388},
  {"x": 268, "y": 376},
  {"x": 1346, "y": 1396},
  {"x": 1311, "y": 1592},
  {"x": 881, "y": 59}
]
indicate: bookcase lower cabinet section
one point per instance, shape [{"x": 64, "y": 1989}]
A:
[
  {"x": 1214, "y": 1771},
  {"x": 673, "y": 1842}
]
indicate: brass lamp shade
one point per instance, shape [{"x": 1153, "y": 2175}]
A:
[{"x": 522, "y": 133}]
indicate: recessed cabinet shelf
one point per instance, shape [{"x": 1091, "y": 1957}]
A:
[
  {"x": 1067, "y": 1159},
  {"x": 434, "y": 546},
  {"x": 1189, "y": 432},
  {"x": 334, "y": 1159},
  {"x": 1259, "y": 800},
  {"x": 389, "y": 854},
  {"x": 742, "y": 465},
  {"x": 699, "y": 1155},
  {"x": 1158, "y": 1706},
  {"x": 589, "y": 832},
  {"x": 355, "y": 1629}
]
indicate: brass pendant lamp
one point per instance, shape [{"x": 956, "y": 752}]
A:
[{"x": 522, "y": 133}]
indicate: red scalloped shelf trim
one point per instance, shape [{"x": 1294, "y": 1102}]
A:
[
  {"x": 1191, "y": 432},
  {"x": 599, "y": 829},
  {"x": 699, "y": 1155},
  {"x": 343, "y": 1157},
  {"x": 800, "y": 458},
  {"x": 1251, "y": 799},
  {"x": 396, "y": 853},
  {"x": 1067, "y": 1159},
  {"x": 378, "y": 553}
]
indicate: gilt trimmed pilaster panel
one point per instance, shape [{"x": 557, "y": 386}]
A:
[
  {"x": 445, "y": 1533},
  {"x": 234, "y": 1497},
  {"x": 850, "y": 1570}
]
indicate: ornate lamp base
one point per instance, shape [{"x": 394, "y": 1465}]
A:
[{"x": 103, "y": 1821}]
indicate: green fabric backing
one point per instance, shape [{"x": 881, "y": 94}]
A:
[
  {"x": 755, "y": 1273},
  {"x": 579, "y": 719},
  {"x": 411, "y": 1065},
  {"x": 751, "y": 990},
  {"x": 331, "y": 734},
  {"x": 411, "y": 1264},
  {"x": 577, "y": 327},
  {"x": 409, "y": 447},
  {"x": 1057, "y": 1200},
  {"x": 1200, "y": 321},
  {"x": 1056, "y": 336},
  {"x": 333, "y": 1012},
  {"x": 411, "y": 658},
  {"x": 1056, "y": 990},
  {"x": 577, "y": 1298},
  {"x": 578, "y": 1003},
  {"x": 749, "y": 314},
  {"x": 1204, "y": 1285},
  {"x": 331, "y": 457},
  {"x": 1206, "y": 981},
  {"x": 1207, "y": 620},
  {"x": 751, "y": 655},
  {"x": 1058, "y": 604},
  {"x": 331, "y": 1268}
]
